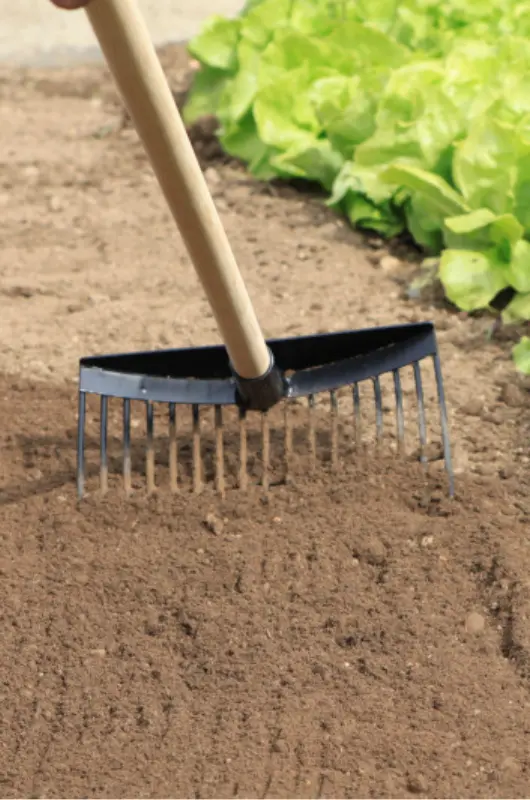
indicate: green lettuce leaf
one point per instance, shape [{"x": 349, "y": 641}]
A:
[
  {"x": 518, "y": 270},
  {"x": 485, "y": 164},
  {"x": 242, "y": 141},
  {"x": 345, "y": 108},
  {"x": 216, "y": 43},
  {"x": 360, "y": 180},
  {"x": 262, "y": 19},
  {"x": 239, "y": 91},
  {"x": 313, "y": 160},
  {"x": 367, "y": 201},
  {"x": 284, "y": 114},
  {"x": 471, "y": 280},
  {"x": 433, "y": 188},
  {"x": 517, "y": 310},
  {"x": 482, "y": 229},
  {"x": 521, "y": 355},
  {"x": 204, "y": 97},
  {"x": 424, "y": 223},
  {"x": 382, "y": 218}
]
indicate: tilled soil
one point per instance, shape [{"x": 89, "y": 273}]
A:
[{"x": 350, "y": 633}]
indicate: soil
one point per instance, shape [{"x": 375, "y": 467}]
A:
[{"x": 352, "y": 632}]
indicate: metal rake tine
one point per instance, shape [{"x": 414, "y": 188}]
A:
[
  {"x": 243, "y": 449},
  {"x": 80, "y": 467},
  {"x": 197, "y": 460},
  {"x": 219, "y": 452},
  {"x": 150, "y": 448},
  {"x": 422, "y": 428},
  {"x": 266, "y": 445},
  {"x": 357, "y": 416},
  {"x": 312, "y": 432},
  {"x": 378, "y": 409},
  {"x": 103, "y": 442},
  {"x": 173, "y": 449},
  {"x": 288, "y": 440},
  {"x": 334, "y": 410},
  {"x": 127, "y": 446},
  {"x": 400, "y": 417},
  {"x": 444, "y": 424}
]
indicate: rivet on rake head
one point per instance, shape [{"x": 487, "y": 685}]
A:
[
  {"x": 334, "y": 409},
  {"x": 422, "y": 428},
  {"x": 312, "y": 432},
  {"x": 357, "y": 419},
  {"x": 197, "y": 458},
  {"x": 266, "y": 445},
  {"x": 103, "y": 453},
  {"x": 444, "y": 424},
  {"x": 173, "y": 449},
  {"x": 219, "y": 452},
  {"x": 80, "y": 470},
  {"x": 127, "y": 446},
  {"x": 243, "y": 474},
  {"x": 378, "y": 410},
  {"x": 150, "y": 448},
  {"x": 400, "y": 417}
]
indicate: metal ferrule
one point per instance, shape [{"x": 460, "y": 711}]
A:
[{"x": 260, "y": 394}]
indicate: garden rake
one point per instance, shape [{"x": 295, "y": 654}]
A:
[{"x": 248, "y": 372}]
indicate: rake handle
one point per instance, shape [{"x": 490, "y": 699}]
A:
[{"x": 126, "y": 44}]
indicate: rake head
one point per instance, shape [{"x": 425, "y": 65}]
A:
[{"x": 308, "y": 365}]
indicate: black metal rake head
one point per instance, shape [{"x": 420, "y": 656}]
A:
[
  {"x": 247, "y": 372},
  {"x": 308, "y": 365}
]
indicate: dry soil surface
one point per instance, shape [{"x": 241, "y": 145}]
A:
[{"x": 351, "y": 633}]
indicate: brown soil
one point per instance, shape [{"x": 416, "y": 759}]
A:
[{"x": 351, "y": 634}]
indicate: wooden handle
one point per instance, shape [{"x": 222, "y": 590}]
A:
[{"x": 132, "y": 59}]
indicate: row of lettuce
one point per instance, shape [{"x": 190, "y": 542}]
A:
[{"x": 412, "y": 115}]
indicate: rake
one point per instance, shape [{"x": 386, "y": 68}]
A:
[{"x": 247, "y": 372}]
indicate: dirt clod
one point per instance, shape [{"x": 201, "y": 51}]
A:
[
  {"x": 510, "y": 766},
  {"x": 513, "y": 396},
  {"x": 373, "y": 551},
  {"x": 417, "y": 784},
  {"x": 214, "y": 524},
  {"x": 475, "y": 623},
  {"x": 474, "y": 407},
  {"x": 390, "y": 263}
]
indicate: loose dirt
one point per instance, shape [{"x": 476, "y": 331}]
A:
[{"x": 354, "y": 633}]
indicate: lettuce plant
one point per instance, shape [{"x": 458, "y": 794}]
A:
[{"x": 412, "y": 114}]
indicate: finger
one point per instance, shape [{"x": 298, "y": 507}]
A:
[{"x": 70, "y": 4}]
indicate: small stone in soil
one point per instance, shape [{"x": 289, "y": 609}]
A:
[
  {"x": 213, "y": 524},
  {"x": 54, "y": 203},
  {"x": 513, "y": 396},
  {"x": 431, "y": 452},
  {"x": 473, "y": 407},
  {"x": 389, "y": 263},
  {"x": 373, "y": 552},
  {"x": 511, "y": 765},
  {"x": 475, "y": 622},
  {"x": 486, "y": 469},
  {"x": 329, "y": 229},
  {"x": 212, "y": 176},
  {"x": 417, "y": 784},
  {"x": 460, "y": 459},
  {"x": 375, "y": 256}
]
